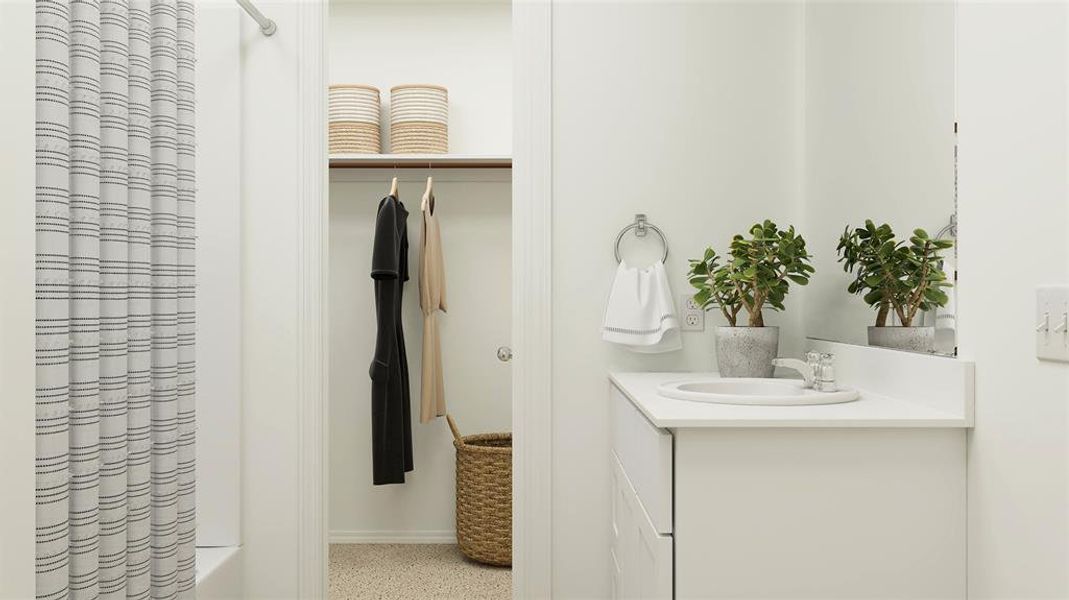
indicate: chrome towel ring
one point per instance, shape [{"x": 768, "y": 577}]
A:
[{"x": 641, "y": 227}]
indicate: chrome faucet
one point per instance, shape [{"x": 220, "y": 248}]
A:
[{"x": 818, "y": 370}]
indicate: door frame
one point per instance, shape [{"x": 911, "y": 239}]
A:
[
  {"x": 531, "y": 305},
  {"x": 312, "y": 349},
  {"x": 532, "y": 383}
]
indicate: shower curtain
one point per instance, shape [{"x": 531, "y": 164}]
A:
[{"x": 115, "y": 299}]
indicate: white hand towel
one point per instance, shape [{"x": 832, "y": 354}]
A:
[{"x": 640, "y": 313}]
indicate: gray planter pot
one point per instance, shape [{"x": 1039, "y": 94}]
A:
[
  {"x": 746, "y": 351},
  {"x": 916, "y": 339}
]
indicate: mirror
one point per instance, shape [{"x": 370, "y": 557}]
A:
[{"x": 880, "y": 144}]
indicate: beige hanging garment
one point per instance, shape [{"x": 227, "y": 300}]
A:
[{"x": 431, "y": 300}]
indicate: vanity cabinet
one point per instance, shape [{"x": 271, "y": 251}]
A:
[
  {"x": 642, "y": 545},
  {"x": 641, "y": 556},
  {"x": 745, "y": 511}
]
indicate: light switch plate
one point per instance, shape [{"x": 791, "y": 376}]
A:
[
  {"x": 1052, "y": 322},
  {"x": 691, "y": 316}
]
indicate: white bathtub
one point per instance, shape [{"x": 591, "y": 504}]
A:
[{"x": 219, "y": 573}]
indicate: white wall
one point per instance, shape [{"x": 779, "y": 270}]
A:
[
  {"x": 279, "y": 149},
  {"x": 218, "y": 274},
  {"x": 474, "y": 210},
  {"x": 687, "y": 112},
  {"x": 17, "y": 310},
  {"x": 1014, "y": 219},
  {"x": 879, "y": 138},
  {"x": 465, "y": 46}
]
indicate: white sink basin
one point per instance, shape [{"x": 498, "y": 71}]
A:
[{"x": 771, "y": 392}]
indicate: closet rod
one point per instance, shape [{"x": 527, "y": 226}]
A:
[{"x": 267, "y": 26}]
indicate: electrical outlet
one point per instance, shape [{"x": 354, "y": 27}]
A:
[
  {"x": 1052, "y": 323},
  {"x": 693, "y": 317}
]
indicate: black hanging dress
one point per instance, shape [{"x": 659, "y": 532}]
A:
[{"x": 391, "y": 421}]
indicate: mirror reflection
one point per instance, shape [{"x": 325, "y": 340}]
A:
[{"x": 879, "y": 173}]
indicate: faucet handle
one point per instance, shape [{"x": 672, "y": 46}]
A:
[
  {"x": 825, "y": 373},
  {"x": 812, "y": 359}
]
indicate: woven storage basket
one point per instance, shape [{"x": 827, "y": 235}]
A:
[
  {"x": 354, "y": 113},
  {"x": 419, "y": 119},
  {"x": 484, "y": 495}
]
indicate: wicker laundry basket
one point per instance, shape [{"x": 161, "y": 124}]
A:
[
  {"x": 354, "y": 113},
  {"x": 484, "y": 495},
  {"x": 419, "y": 119}
]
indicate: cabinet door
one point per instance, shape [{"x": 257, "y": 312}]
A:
[
  {"x": 645, "y": 452},
  {"x": 641, "y": 557}
]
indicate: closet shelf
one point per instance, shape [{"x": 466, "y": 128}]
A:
[{"x": 419, "y": 161}]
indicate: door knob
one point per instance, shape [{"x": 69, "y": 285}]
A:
[{"x": 504, "y": 353}]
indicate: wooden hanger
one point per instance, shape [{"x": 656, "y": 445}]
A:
[
  {"x": 428, "y": 195},
  {"x": 393, "y": 187}
]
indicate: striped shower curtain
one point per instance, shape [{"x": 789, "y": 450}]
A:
[{"x": 115, "y": 299}]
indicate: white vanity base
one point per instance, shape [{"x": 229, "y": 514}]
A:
[
  {"x": 776, "y": 504},
  {"x": 820, "y": 513}
]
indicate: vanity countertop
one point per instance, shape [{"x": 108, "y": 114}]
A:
[{"x": 870, "y": 410}]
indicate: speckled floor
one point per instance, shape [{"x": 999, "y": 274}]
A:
[{"x": 412, "y": 571}]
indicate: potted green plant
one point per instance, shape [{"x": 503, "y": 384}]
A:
[
  {"x": 755, "y": 277},
  {"x": 896, "y": 277}
]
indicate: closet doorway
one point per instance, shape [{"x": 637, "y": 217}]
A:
[{"x": 398, "y": 540}]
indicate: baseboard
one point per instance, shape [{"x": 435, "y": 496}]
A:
[{"x": 444, "y": 536}]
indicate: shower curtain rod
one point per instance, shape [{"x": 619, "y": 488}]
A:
[{"x": 267, "y": 26}]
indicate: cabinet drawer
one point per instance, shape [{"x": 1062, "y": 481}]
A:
[
  {"x": 645, "y": 453},
  {"x": 642, "y": 559}
]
